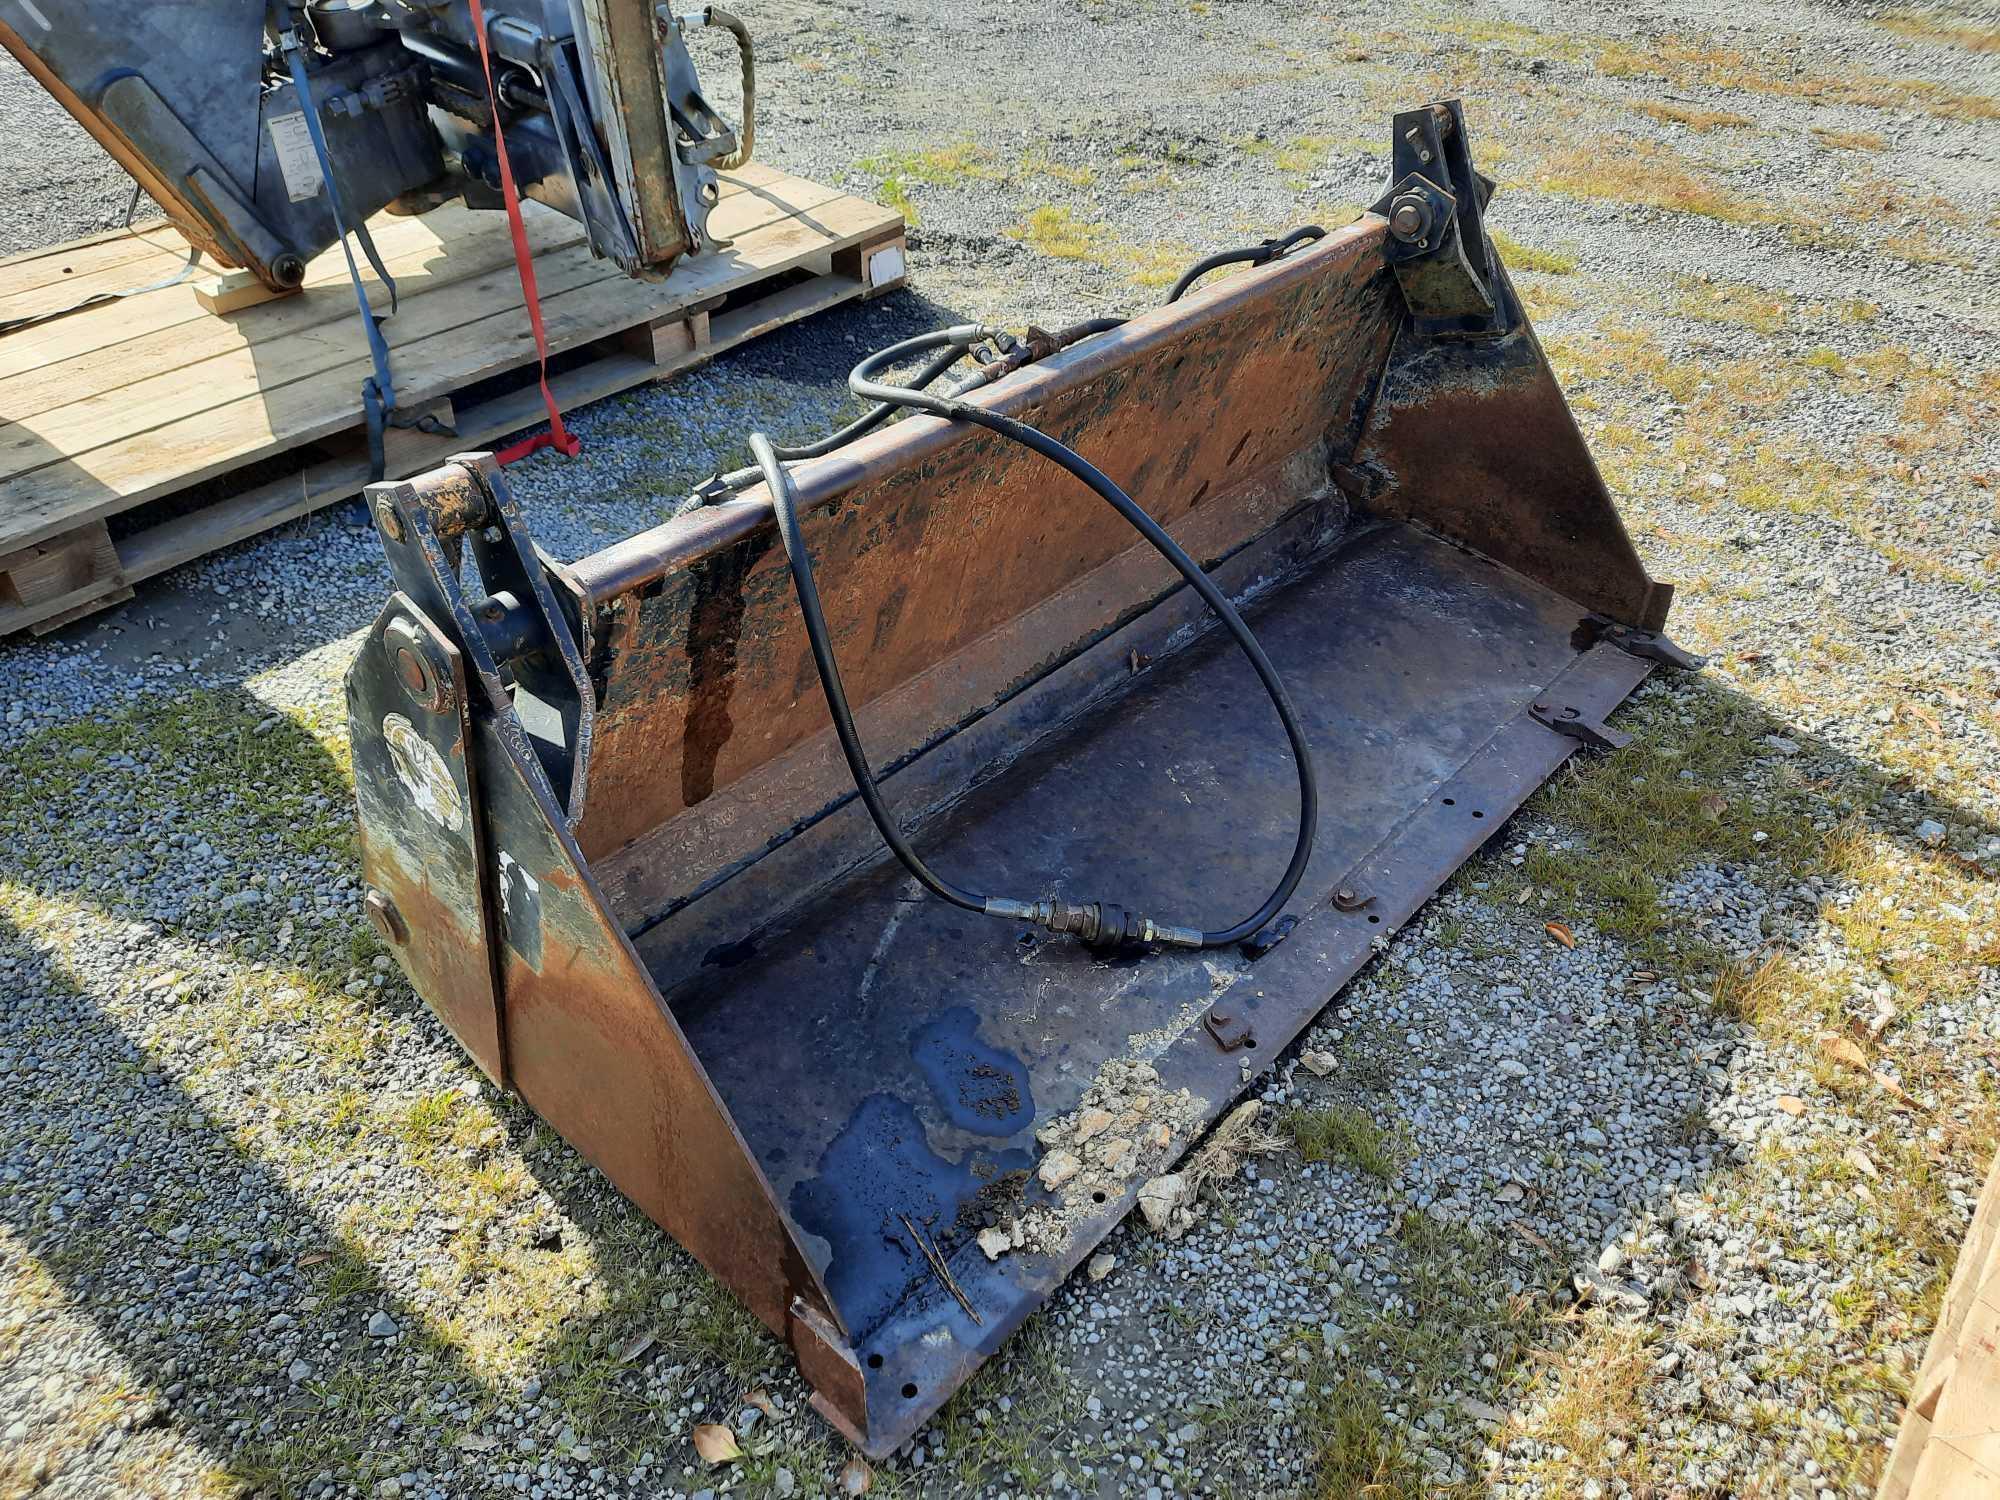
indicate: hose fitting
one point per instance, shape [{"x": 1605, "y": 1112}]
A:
[{"x": 1096, "y": 924}]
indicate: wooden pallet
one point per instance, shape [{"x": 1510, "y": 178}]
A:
[
  {"x": 128, "y": 403},
  {"x": 1949, "y": 1443}
]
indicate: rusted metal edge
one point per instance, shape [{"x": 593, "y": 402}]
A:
[
  {"x": 1297, "y": 980},
  {"x": 639, "y": 560}
]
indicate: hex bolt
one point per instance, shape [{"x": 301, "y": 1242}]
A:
[
  {"x": 389, "y": 519},
  {"x": 1409, "y": 218},
  {"x": 384, "y": 918}
]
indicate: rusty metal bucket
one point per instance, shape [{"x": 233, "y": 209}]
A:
[{"x": 609, "y": 835}]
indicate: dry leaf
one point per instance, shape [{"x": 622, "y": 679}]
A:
[
  {"x": 1844, "y": 1050},
  {"x": 1713, "y": 805},
  {"x": 1532, "y": 1238},
  {"x": 1791, "y": 1104},
  {"x": 1508, "y": 1192},
  {"x": 716, "y": 1443},
  {"x": 1527, "y": 895},
  {"x": 1560, "y": 933},
  {"x": 1893, "y": 1089},
  {"x": 633, "y": 1347},
  {"x": 761, "y": 1399},
  {"x": 1858, "y": 1159},
  {"x": 856, "y": 1478}
]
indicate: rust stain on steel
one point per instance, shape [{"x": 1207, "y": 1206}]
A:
[
  {"x": 714, "y": 630},
  {"x": 1475, "y": 441},
  {"x": 928, "y": 537}
]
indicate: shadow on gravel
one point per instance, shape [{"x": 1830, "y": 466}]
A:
[
  {"x": 132, "y": 960},
  {"x": 243, "y": 1317}
]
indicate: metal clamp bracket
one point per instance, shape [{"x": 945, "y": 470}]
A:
[
  {"x": 1650, "y": 645},
  {"x": 1580, "y": 726},
  {"x": 1229, "y": 1030}
]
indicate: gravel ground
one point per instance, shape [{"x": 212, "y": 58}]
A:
[{"x": 1635, "y": 1166}]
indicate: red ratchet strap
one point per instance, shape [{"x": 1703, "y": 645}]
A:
[{"x": 558, "y": 436}]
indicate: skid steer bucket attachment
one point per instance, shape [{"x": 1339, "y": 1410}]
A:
[{"x": 609, "y": 835}]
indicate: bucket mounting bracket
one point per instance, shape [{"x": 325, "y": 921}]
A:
[
  {"x": 1437, "y": 245},
  {"x": 518, "y": 639}
]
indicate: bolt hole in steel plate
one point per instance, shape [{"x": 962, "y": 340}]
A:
[{"x": 887, "y": 1058}]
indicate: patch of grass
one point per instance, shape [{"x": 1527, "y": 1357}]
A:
[
  {"x": 938, "y": 166},
  {"x": 1655, "y": 176},
  {"x": 1056, "y": 231},
  {"x": 1920, "y": 248},
  {"x": 1039, "y": 164},
  {"x": 1340, "y": 1132},
  {"x": 1357, "y": 1452},
  {"x": 1733, "y": 303},
  {"x": 1631, "y": 820},
  {"x": 1849, "y": 140},
  {"x": 1941, "y": 29},
  {"x": 1593, "y": 1387},
  {"x": 1292, "y": 158},
  {"x": 893, "y": 193},
  {"x": 1700, "y": 121},
  {"x": 1520, "y": 257},
  {"x": 1703, "y": 62}
]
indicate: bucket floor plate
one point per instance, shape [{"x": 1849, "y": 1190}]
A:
[{"x": 888, "y": 1057}]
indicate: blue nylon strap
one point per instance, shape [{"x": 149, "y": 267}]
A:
[{"x": 378, "y": 392}]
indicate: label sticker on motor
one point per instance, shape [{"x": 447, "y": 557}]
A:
[{"x": 296, "y": 158}]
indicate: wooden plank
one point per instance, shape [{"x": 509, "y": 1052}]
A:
[
  {"x": 462, "y": 324},
  {"x": 21, "y": 258},
  {"x": 444, "y": 232},
  {"x": 171, "y": 325},
  {"x": 1945, "y": 1473},
  {"x": 232, "y": 291},
  {"x": 115, "y": 249},
  {"x": 244, "y": 515},
  {"x": 177, "y": 452},
  {"x": 787, "y": 305},
  {"x": 1968, "y": 1410},
  {"x": 1908, "y": 1453},
  {"x": 65, "y": 434},
  {"x": 668, "y": 340}
]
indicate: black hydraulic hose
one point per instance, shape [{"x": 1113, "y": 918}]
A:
[
  {"x": 723, "y": 485},
  {"x": 875, "y": 416},
  {"x": 1097, "y": 921},
  {"x": 784, "y": 501},
  {"x": 1255, "y": 255}
]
